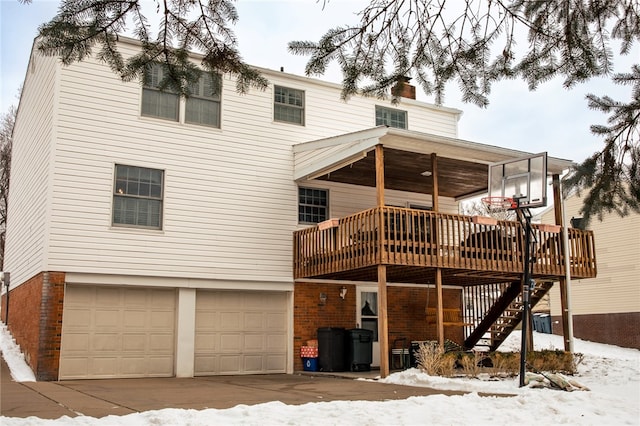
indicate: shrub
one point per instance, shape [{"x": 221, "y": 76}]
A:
[
  {"x": 470, "y": 362},
  {"x": 555, "y": 361},
  {"x": 505, "y": 364},
  {"x": 435, "y": 361},
  {"x": 429, "y": 357}
]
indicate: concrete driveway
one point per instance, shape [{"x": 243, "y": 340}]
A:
[{"x": 99, "y": 398}]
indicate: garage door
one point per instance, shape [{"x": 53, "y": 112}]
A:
[
  {"x": 117, "y": 332},
  {"x": 240, "y": 332}
]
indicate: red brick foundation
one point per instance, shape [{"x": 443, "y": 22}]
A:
[
  {"x": 405, "y": 313},
  {"x": 35, "y": 321},
  {"x": 612, "y": 329}
]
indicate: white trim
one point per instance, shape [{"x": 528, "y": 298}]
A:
[
  {"x": 177, "y": 282},
  {"x": 185, "y": 332}
]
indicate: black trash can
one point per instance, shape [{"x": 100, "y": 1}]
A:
[
  {"x": 359, "y": 349},
  {"x": 331, "y": 352}
]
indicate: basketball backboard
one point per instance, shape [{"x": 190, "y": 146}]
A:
[{"x": 523, "y": 179}]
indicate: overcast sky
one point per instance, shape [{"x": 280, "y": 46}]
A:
[{"x": 550, "y": 119}]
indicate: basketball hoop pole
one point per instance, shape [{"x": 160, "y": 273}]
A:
[{"x": 527, "y": 286}]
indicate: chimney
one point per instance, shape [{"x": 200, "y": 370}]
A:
[{"x": 404, "y": 89}]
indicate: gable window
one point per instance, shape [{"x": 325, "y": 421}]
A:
[
  {"x": 288, "y": 105},
  {"x": 391, "y": 117},
  {"x": 312, "y": 205},
  {"x": 203, "y": 105},
  {"x": 137, "y": 197},
  {"x": 155, "y": 102}
]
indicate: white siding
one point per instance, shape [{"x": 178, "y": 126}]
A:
[
  {"x": 27, "y": 219},
  {"x": 615, "y": 289},
  {"x": 230, "y": 203}
]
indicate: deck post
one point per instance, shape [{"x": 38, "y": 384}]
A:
[
  {"x": 564, "y": 282},
  {"x": 434, "y": 180},
  {"x": 435, "y": 206},
  {"x": 383, "y": 326},
  {"x": 380, "y": 175},
  {"x": 439, "y": 318}
]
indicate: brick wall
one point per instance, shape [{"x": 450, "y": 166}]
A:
[
  {"x": 612, "y": 329},
  {"x": 24, "y": 314},
  {"x": 405, "y": 313},
  {"x": 35, "y": 321},
  {"x": 309, "y": 314},
  {"x": 50, "y": 325}
]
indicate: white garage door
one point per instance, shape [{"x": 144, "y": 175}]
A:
[
  {"x": 240, "y": 332},
  {"x": 117, "y": 332}
]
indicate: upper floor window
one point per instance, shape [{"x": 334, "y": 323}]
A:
[
  {"x": 203, "y": 106},
  {"x": 313, "y": 205},
  {"x": 391, "y": 117},
  {"x": 155, "y": 102},
  {"x": 137, "y": 197},
  {"x": 288, "y": 105}
]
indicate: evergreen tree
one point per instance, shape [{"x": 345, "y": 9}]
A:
[
  {"x": 476, "y": 43},
  {"x": 186, "y": 25},
  {"x": 473, "y": 43}
]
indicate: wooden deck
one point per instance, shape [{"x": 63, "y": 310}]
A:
[{"x": 413, "y": 243}]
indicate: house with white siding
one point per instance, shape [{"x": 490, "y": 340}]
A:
[
  {"x": 605, "y": 309},
  {"x": 152, "y": 235}
]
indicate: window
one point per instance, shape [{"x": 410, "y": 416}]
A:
[
  {"x": 312, "y": 205},
  {"x": 203, "y": 106},
  {"x": 391, "y": 117},
  {"x": 156, "y": 102},
  {"x": 137, "y": 197},
  {"x": 288, "y": 105}
]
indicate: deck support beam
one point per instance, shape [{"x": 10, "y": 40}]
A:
[
  {"x": 435, "y": 206},
  {"x": 383, "y": 323},
  {"x": 564, "y": 282},
  {"x": 434, "y": 180},
  {"x": 440, "y": 307}
]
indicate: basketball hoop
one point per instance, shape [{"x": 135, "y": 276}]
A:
[{"x": 500, "y": 203}]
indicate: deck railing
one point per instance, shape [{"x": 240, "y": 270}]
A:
[{"x": 428, "y": 239}]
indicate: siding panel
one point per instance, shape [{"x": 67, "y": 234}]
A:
[
  {"x": 230, "y": 203},
  {"x": 617, "y": 245},
  {"x": 27, "y": 219}
]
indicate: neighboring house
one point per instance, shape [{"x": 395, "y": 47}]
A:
[
  {"x": 153, "y": 235},
  {"x": 605, "y": 309}
]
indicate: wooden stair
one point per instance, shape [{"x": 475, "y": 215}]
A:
[{"x": 505, "y": 315}]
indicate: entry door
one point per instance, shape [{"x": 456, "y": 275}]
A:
[{"x": 367, "y": 315}]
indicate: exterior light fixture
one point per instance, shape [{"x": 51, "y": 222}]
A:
[
  {"x": 426, "y": 173},
  {"x": 323, "y": 298},
  {"x": 343, "y": 292}
]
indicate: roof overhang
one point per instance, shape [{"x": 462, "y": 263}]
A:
[{"x": 462, "y": 165}]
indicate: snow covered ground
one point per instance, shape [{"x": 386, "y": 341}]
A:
[{"x": 612, "y": 374}]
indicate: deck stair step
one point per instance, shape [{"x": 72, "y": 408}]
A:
[{"x": 505, "y": 314}]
